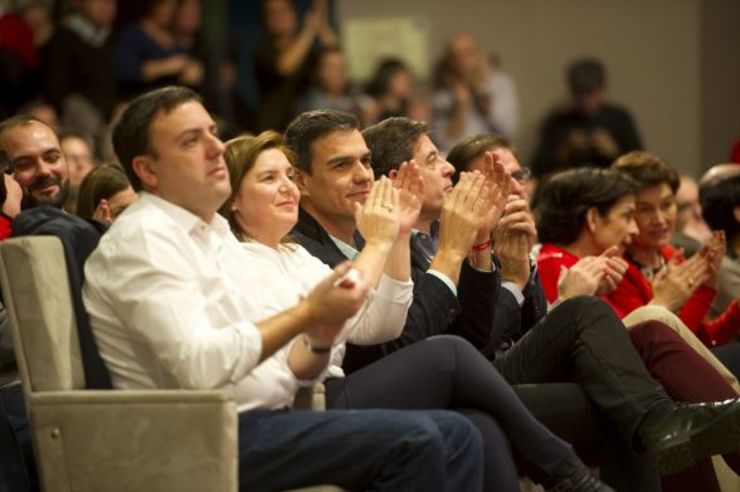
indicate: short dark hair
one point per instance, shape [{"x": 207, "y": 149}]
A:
[
  {"x": 310, "y": 126},
  {"x": 131, "y": 133},
  {"x": 567, "y": 196},
  {"x": 647, "y": 170},
  {"x": 586, "y": 74},
  {"x": 391, "y": 142},
  {"x": 718, "y": 200},
  {"x": 100, "y": 184},
  {"x": 474, "y": 146}
]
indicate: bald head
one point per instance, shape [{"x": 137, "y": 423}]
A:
[
  {"x": 719, "y": 193},
  {"x": 719, "y": 172}
]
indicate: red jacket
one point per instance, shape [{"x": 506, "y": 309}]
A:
[
  {"x": 549, "y": 261},
  {"x": 635, "y": 291}
]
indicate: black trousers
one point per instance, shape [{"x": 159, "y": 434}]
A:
[
  {"x": 729, "y": 355},
  {"x": 448, "y": 372},
  {"x": 582, "y": 339}
]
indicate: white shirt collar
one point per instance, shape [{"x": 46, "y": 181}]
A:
[{"x": 186, "y": 219}]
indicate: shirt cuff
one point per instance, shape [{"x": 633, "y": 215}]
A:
[
  {"x": 515, "y": 291},
  {"x": 445, "y": 280}
]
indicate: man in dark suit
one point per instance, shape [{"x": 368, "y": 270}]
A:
[{"x": 522, "y": 301}]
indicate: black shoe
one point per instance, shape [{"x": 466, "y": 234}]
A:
[
  {"x": 678, "y": 437},
  {"x": 580, "y": 481}
]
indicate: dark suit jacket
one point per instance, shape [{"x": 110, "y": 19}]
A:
[
  {"x": 512, "y": 321},
  {"x": 434, "y": 311}
]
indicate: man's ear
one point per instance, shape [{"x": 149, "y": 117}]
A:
[
  {"x": 102, "y": 212},
  {"x": 144, "y": 168},
  {"x": 301, "y": 181},
  {"x": 592, "y": 219},
  {"x": 736, "y": 213}
]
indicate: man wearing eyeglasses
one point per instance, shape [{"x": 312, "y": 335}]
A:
[{"x": 522, "y": 302}]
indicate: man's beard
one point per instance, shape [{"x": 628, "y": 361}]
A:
[{"x": 56, "y": 201}]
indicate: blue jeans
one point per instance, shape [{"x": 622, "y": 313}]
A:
[{"x": 359, "y": 450}]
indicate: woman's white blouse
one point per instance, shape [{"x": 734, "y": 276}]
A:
[{"x": 289, "y": 272}]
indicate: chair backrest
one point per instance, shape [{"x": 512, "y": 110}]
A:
[{"x": 35, "y": 285}]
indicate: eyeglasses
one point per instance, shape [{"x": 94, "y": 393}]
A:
[{"x": 522, "y": 175}]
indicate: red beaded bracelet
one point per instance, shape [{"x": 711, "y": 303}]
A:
[{"x": 482, "y": 246}]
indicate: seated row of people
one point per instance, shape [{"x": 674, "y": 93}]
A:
[{"x": 257, "y": 320}]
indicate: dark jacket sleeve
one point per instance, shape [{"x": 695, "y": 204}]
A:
[
  {"x": 433, "y": 309},
  {"x": 535, "y": 303},
  {"x": 511, "y": 321},
  {"x": 478, "y": 293}
]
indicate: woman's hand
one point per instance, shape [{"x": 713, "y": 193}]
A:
[
  {"x": 583, "y": 278},
  {"x": 674, "y": 283}
]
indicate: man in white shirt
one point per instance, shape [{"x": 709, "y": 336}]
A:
[{"x": 166, "y": 312}]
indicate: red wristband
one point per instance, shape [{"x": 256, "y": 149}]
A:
[{"x": 482, "y": 246}]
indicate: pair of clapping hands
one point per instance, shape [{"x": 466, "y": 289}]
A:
[
  {"x": 592, "y": 275},
  {"x": 470, "y": 211},
  {"x": 679, "y": 279}
]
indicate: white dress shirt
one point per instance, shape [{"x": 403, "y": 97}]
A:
[
  {"x": 170, "y": 300},
  {"x": 290, "y": 272}
]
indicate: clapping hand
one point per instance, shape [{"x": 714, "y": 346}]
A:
[
  {"x": 410, "y": 186},
  {"x": 378, "y": 219}
]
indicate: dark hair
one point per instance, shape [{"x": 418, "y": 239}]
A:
[
  {"x": 647, "y": 170},
  {"x": 381, "y": 81},
  {"x": 718, "y": 199},
  {"x": 131, "y": 133},
  {"x": 392, "y": 141},
  {"x": 474, "y": 146},
  {"x": 586, "y": 74},
  {"x": 567, "y": 196},
  {"x": 241, "y": 154},
  {"x": 310, "y": 126},
  {"x": 100, "y": 184}
]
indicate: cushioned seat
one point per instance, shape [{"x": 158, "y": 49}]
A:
[{"x": 90, "y": 440}]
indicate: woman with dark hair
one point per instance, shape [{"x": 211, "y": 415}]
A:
[
  {"x": 583, "y": 213},
  {"x": 392, "y": 88},
  {"x": 331, "y": 88},
  {"x": 657, "y": 273},
  {"x": 442, "y": 372},
  {"x": 104, "y": 194}
]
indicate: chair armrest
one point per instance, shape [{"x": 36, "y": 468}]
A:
[{"x": 135, "y": 440}]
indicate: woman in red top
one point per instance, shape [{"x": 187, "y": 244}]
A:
[{"x": 656, "y": 272}]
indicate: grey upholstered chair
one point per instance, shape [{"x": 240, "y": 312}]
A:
[{"x": 87, "y": 440}]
